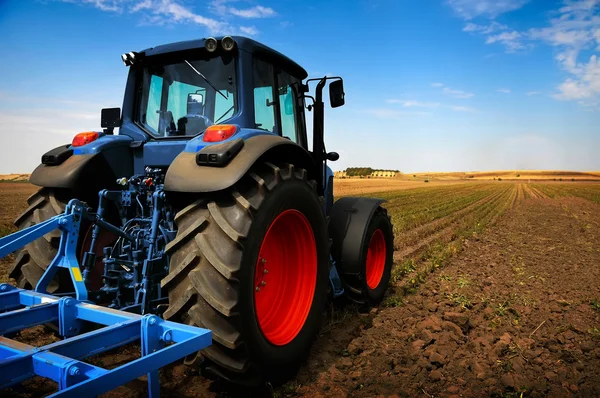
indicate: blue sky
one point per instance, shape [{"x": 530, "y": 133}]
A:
[{"x": 431, "y": 85}]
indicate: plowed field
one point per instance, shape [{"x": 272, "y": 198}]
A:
[{"x": 495, "y": 292}]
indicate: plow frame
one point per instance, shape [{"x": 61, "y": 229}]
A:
[{"x": 162, "y": 342}]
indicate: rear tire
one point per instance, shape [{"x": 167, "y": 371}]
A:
[
  {"x": 32, "y": 260},
  {"x": 216, "y": 268},
  {"x": 377, "y": 260}
]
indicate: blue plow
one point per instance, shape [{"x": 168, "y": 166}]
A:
[{"x": 161, "y": 342}]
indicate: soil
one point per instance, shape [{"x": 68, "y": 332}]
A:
[{"x": 516, "y": 312}]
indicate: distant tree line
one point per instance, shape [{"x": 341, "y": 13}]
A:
[
  {"x": 363, "y": 171},
  {"x": 358, "y": 171}
]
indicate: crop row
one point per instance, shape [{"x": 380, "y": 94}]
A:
[
  {"x": 590, "y": 191},
  {"x": 432, "y": 246},
  {"x": 410, "y": 210}
]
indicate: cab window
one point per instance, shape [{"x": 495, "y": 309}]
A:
[
  {"x": 264, "y": 106},
  {"x": 154, "y": 94},
  {"x": 288, "y": 92},
  {"x": 185, "y": 97}
]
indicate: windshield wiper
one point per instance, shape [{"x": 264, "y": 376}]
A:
[
  {"x": 205, "y": 79},
  {"x": 223, "y": 115}
]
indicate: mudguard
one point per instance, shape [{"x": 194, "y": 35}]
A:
[
  {"x": 185, "y": 175},
  {"x": 348, "y": 222},
  {"x": 86, "y": 172}
]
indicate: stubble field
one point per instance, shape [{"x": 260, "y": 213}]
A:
[{"x": 495, "y": 292}]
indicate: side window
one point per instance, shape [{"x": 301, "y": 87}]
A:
[
  {"x": 264, "y": 106},
  {"x": 287, "y": 106},
  {"x": 153, "y": 108}
]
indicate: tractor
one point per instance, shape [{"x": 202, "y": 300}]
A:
[{"x": 209, "y": 208}]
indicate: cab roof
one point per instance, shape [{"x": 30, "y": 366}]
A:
[{"x": 243, "y": 43}]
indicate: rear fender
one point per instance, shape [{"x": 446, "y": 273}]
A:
[
  {"x": 349, "y": 219},
  {"x": 186, "y": 175},
  {"x": 92, "y": 167}
]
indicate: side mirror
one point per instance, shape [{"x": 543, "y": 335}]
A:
[
  {"x": 110, "y": 118},
  {"x": 333, "y": 156},
  {"x": 195, "y": 103},
  {"x": 336, "y": 93}
]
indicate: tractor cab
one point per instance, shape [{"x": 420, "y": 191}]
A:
[
  {"x": 182, "y": 89},
  {"x": 185, "y": 96}
]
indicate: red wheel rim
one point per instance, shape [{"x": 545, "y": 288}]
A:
[
  {"x": 375, "y": 259},
  {"x": 285, "y": 277}
]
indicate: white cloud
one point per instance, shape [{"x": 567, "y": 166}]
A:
[
  {"x": 498, "y": 33},
  {"x": 573, "y": 29},
  {"x": 457, "y": 93},
  {"x": 484, "y": 29},
  {"x": 104, "y": 5},
  {"x": 249, "y": 30},
  {"x": 453, "y": 92},
  {"x": 425, "y": 104},
  {"x": 386, "y": 113},
  {"x": 469, "y": 9},
  {"x": 511, "y": 40},
  {"x": 412, "y": 103},
  {"x": 584, "y": 84},
  {"x": 164, "y": 12},
  {"x": 530, "y": 93},
  {"x": 221, "y": 7},
  {"x": 503, "y": 90},
  {"x": 459, "y": 108}
]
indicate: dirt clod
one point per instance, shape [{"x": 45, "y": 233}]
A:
[
  {"x": 508, "y": 380},
  {"x": 435, "y": 375},
  {"x": 436, "y": 359},
  {"x": 462, "y": 320}
]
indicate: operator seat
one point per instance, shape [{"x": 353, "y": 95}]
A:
[{"x": 194, "y": 122}]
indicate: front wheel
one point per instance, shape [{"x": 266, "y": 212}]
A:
[{"x": 252, "y": 266}]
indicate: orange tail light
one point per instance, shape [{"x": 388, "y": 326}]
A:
[
  {"x": 82, "y": 139},
  {"x": 219, "y": 132}
]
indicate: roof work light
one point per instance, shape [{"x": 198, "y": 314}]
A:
[
  {"x": 211, "y": 44},
  {"x": 228, "y": 43}
]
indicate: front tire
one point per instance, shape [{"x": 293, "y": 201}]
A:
[{"x": 263, "y": 323}]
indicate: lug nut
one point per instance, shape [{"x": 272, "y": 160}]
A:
[
  {"x": 263, "y": 283},
  {"x": 265, "y": 271},
  {"x": 257, "y": 289}
]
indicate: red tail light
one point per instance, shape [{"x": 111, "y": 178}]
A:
[
  {"x": 219, "y": 132},
  {"x": 82, "y": 139}
]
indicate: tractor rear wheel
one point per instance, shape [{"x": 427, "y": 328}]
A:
[
  {"x": 252, "y": 266},
  {"x": 32, "y": 260},
  {"x": 377, "y": 260}
]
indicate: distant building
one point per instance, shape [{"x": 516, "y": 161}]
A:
[{"x": 384, "y": 173}]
